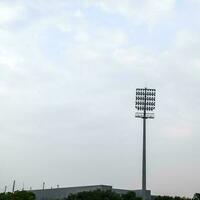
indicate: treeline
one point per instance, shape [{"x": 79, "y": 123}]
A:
[
  {"x": 17, "y": 195},
  {"x": 171, "y": 198},
  {"x": 102, "y": 195},
  {"x": 109, "y": 195},
  {"x": 93, "y": 195},
  {"x": 195, "y": 197}
]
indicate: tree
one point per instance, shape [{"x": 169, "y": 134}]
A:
[
  {"x": 130, "y": 196},
  {"x": 102, "y": 195},
  {"x": 196, "y": 196},
  {"x": 24, "y": 195},
  {"x": 18, "y": 195},
  {"x": 7, "y": 196},
  {"x": 171, "y": 198}
]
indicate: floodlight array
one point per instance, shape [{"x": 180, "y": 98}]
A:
[{"x": 145, "y": 99}]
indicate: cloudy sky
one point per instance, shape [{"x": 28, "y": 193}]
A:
[{"x": 68, "y": 74}]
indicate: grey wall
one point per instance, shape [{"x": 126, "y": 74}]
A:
[{"x": 60, "y": 193}]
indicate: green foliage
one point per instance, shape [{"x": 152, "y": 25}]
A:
[
  {"x": 18, "y": 195},
  {"x": 196, "y": 196},
  {"x": 171, "y": 198},
  {"x": 7, "y": 196},
  {"x": 102, "y": 195},
  {"x": 130, "y": 196},
  {"x": 164, "y": 198}
]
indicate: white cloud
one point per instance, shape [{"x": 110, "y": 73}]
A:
[
  {"x": 10, "y": 13},
  {"x": 179, "y": 132},
  {"x": 134, "y": 57},
  {"x": 155, "y": 11},
  {"x": 148, "y": 11}
]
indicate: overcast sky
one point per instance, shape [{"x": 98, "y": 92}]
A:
[{"x": 68, "y": 74}]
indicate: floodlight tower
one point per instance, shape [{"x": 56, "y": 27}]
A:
[{"x": 145, "y": 104}]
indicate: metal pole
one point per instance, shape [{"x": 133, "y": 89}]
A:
[
  {"x": 144, "y": 150},
  {"x": 145, "y": 104},
  {"x": 13, "y": 189},
  {"x": 5, "y": 189},
  {"x": 43, "y": 185}
]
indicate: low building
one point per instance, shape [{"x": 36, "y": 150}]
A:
[{"x": 61, "y": 193}]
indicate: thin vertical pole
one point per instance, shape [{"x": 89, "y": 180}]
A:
[
  {"x": 13, "y": 189},
  {"x": 144, "y": 149},
  {"x": 43, "y": 185},
  {"x": 5, "y": 189}
]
